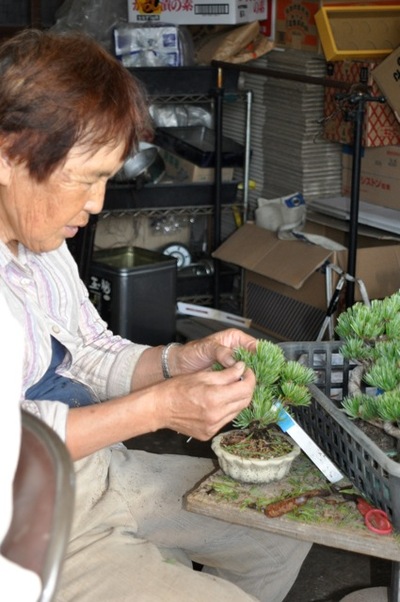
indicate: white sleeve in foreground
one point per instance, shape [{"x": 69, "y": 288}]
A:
[{"x": 24, "y": 584}]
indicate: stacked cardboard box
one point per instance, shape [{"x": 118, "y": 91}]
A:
[
  {"x": 201, "y": 12},
  {"x": 295, "y": 25},
  {"x": 285, "y": 280},
  {"x": 379, "y": 176},
  {"x": 289, "y": 152}
]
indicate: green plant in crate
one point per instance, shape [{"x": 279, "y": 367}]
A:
[
  {"x": 371, "y": 338},
  {"x": 279, "y": 383}
]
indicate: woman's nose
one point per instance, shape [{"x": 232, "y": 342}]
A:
[{"x": 95, "y": 201}]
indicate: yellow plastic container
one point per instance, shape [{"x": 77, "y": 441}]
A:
[{"x": 358, "y": 32}]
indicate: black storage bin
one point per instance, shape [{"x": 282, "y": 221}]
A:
[{"x": 134, "y": 291}]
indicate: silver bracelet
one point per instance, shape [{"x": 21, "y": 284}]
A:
[{"x": 164, "y": 359}]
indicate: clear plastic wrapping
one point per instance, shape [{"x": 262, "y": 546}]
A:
[
  {"x": 97, "y": 18},
  {"x": 153, "y": 45}
]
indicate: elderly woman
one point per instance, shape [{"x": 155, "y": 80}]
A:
[{"x": 69, "y": 116}]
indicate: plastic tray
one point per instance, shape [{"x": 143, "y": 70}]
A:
[
  {"x": 358, "y": 32},
  {"x": 354, "y": 453},
  {"x": 197, "y": 144}
]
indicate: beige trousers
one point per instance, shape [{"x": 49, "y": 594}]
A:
[{"x": 132, "y": 540}]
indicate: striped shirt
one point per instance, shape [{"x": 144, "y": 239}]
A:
[{"x": 48, "y": 298}]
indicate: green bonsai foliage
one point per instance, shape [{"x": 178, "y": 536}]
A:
[
  {"x": 371, "y": 338},
  {"x": 278, "y": 382}
]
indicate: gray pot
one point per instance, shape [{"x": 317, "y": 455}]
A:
[
  {"x": 147, "y": 163},
  {"x": 253, "y": 470}
]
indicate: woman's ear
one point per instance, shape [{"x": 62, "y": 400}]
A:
[{"x": 5, "y": 169}]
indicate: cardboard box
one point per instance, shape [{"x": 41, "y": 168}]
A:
[
  {"x": 267, "y": 25},
  {"x": 197, "y": 12},
  {"x": 387, "y": 77},
  {"x": 329, "y": 226},
  {"x": 293, "y": 22},
  {"x": 285, "y": 282},
  {"x": 182, "y": 170},
  {"x": 356, "y": 2},
  {"x": 358, "y": 32},
  {"x": 379, "y": 175},
  {"x": 380, "y": 127},
  {"x": 295, "y": 25}
]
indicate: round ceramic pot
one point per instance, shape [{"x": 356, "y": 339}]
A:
[{"x": 249, "y": 470}]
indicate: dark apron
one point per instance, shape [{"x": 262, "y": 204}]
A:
[{"x": 54, "y": 387}]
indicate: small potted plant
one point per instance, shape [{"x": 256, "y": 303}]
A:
[
  {"x": 257, "y": 451},
  {"x": 371, "y": 339}
]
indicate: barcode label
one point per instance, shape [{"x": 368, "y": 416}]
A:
[{"x": 211, "y": 9}]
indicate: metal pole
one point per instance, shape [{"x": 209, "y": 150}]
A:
[
  {"x": 357, "y": 98},
  {"x": 218, "y": 126},
  {"x": 355, "y": 200},
  {"x": 246, "y": 175},
  {"x": 306, "y": 79}
]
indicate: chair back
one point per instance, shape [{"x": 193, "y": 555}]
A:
[{"x": 43, "y": 498}]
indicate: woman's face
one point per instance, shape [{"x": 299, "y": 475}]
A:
[{"x": 42, "y": 215}]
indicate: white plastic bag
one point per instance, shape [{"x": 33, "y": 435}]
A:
[{"x": 283, "y": 213}]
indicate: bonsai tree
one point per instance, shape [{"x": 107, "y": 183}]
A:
[
  {"x": 371, "y": 336},
  {"x": 280, "y": 383}
]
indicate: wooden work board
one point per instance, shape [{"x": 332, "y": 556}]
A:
[{"x": 328, "y": 521}]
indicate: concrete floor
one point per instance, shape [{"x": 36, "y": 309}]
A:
[{"x": 327, "y": 575}]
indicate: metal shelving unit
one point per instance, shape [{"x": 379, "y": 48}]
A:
[
  {"x": 155, "y": 212},
  {"x": 205, "y": 85},
  {"x": 199, "y": 85},
  {"x": 174, "y": 196}
]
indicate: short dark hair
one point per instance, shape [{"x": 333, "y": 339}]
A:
[{"x": 60, "y": 89}]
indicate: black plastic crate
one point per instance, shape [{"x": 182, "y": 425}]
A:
[
  {"x": 369, "y": 468},
  {"x": 197, "y": 144}
]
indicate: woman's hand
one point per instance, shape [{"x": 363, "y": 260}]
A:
[
  {"x": 203, "y": 353},
  {"x": 201, "y": 403},
  {"x": 197, "y": 401}
]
